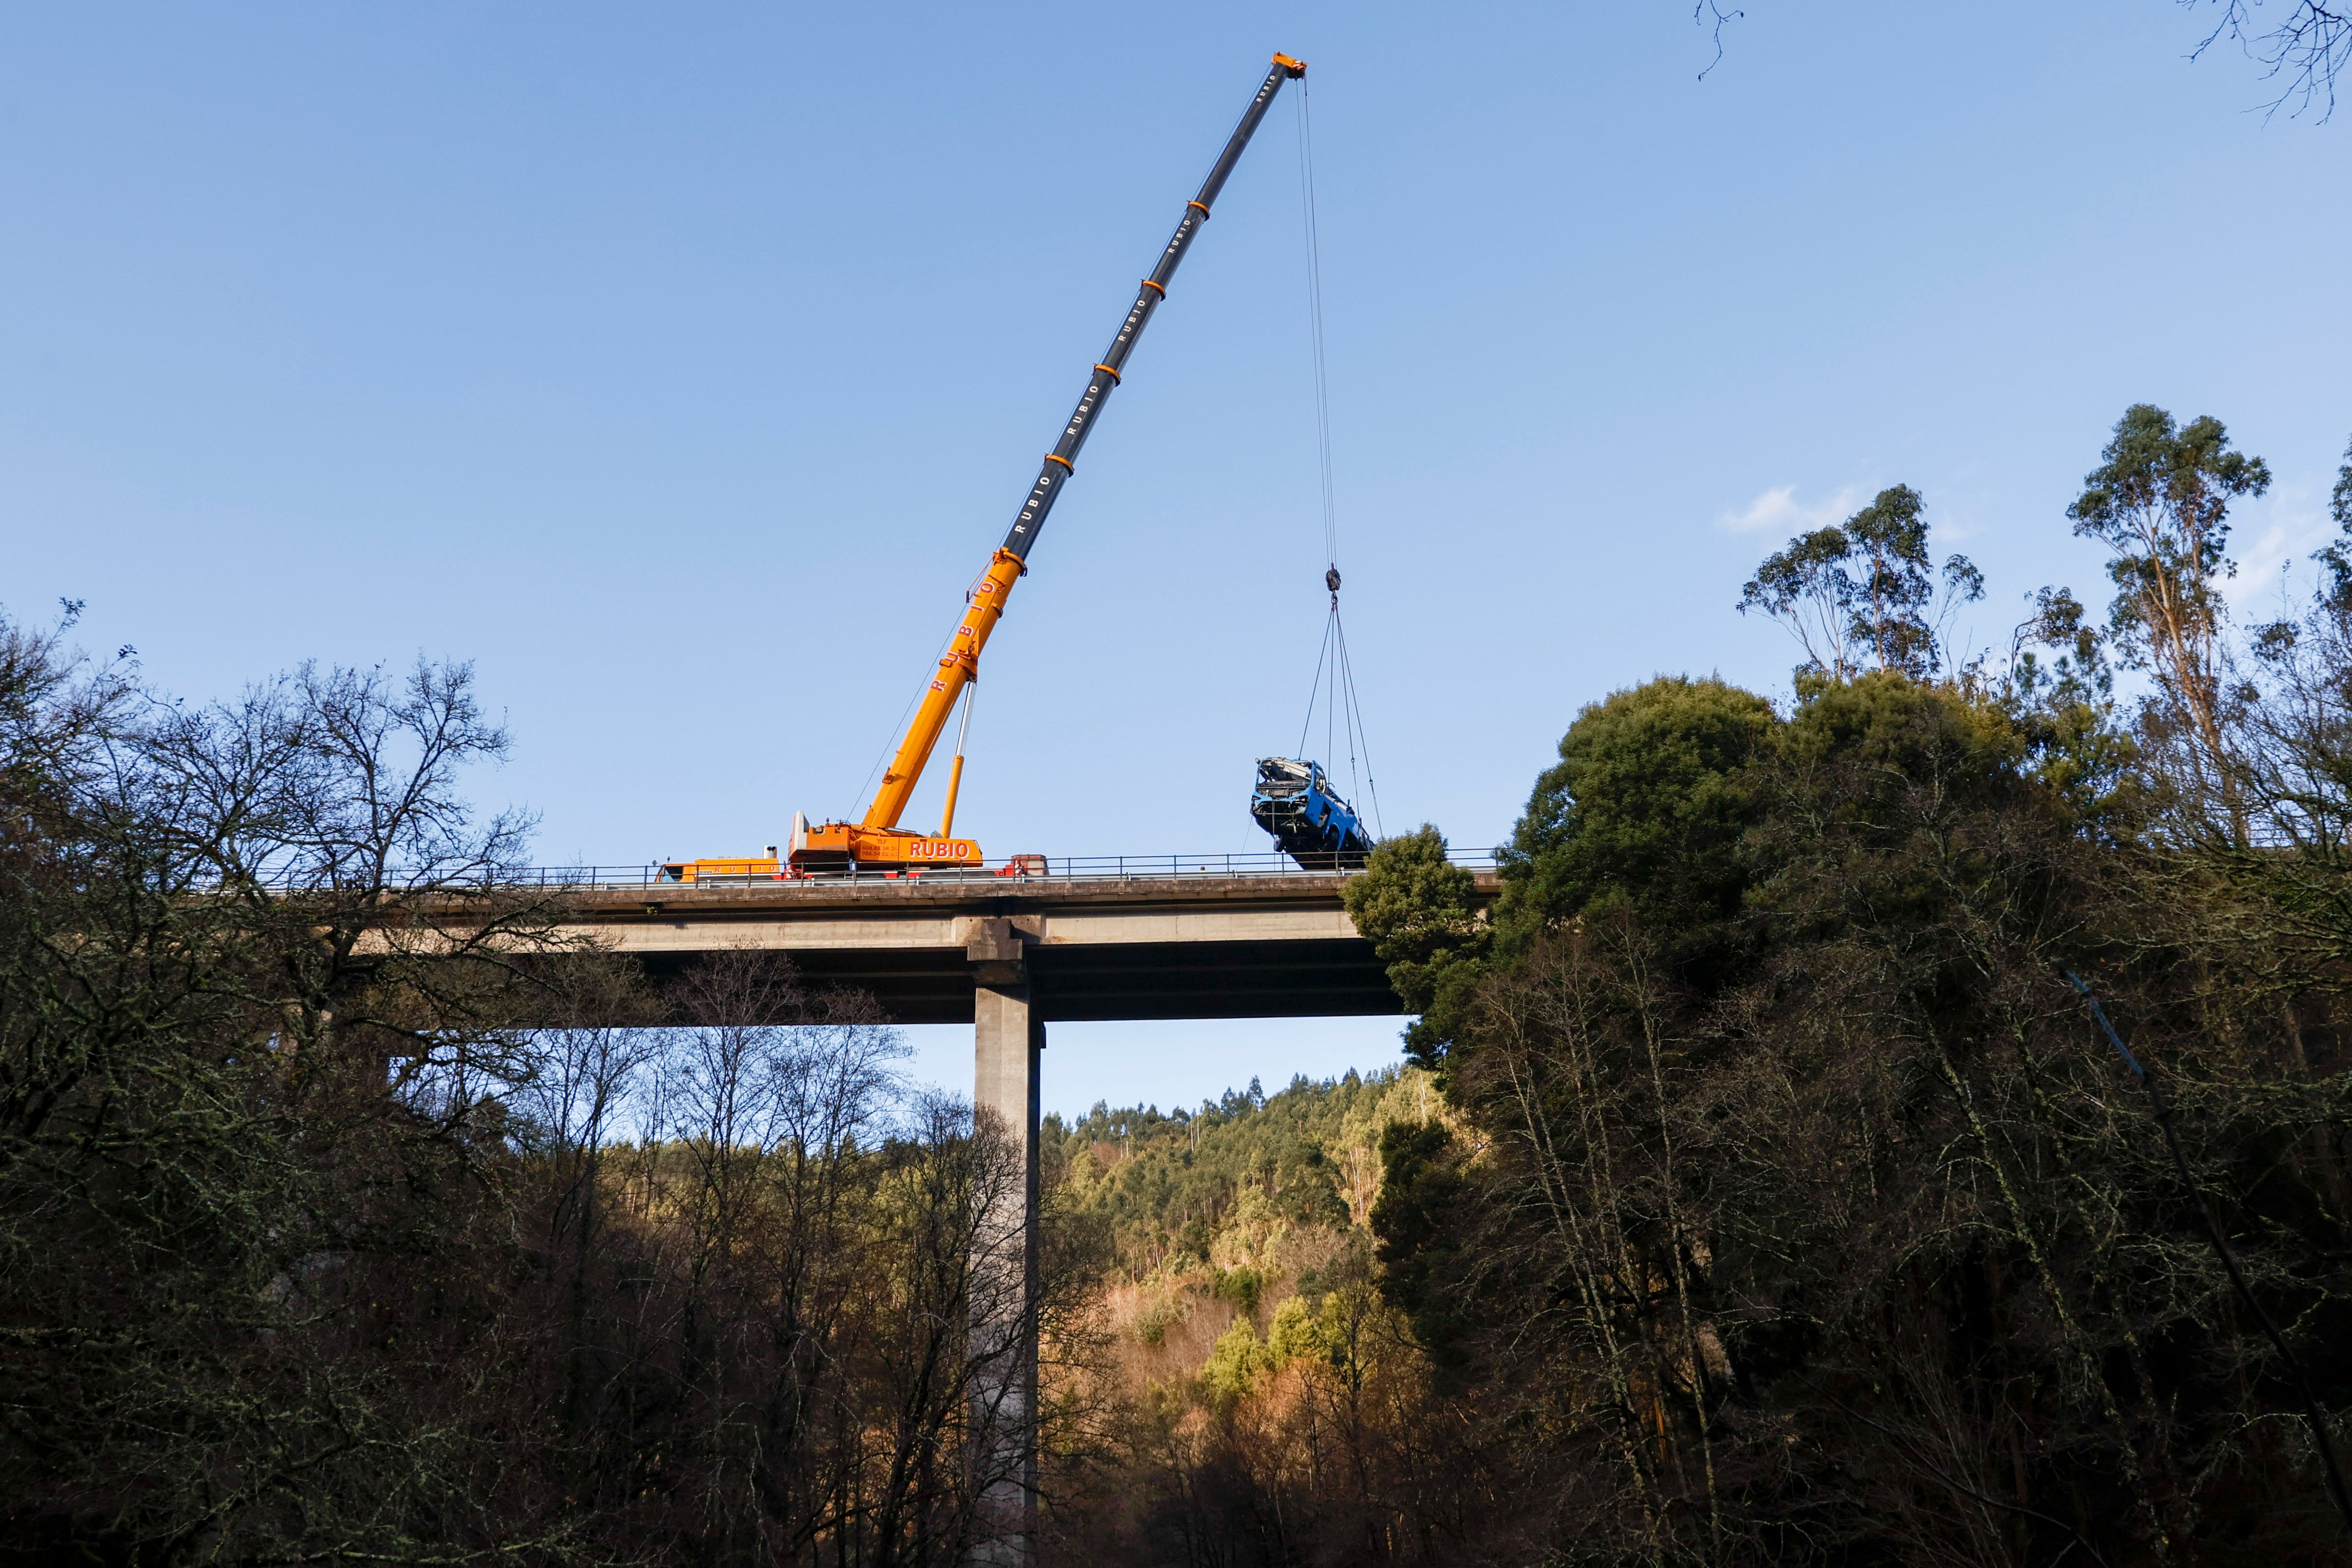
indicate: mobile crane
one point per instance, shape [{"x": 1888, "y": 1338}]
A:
[{"x": 877, "y": 840}]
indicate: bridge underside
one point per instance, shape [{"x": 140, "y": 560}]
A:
[{"x": 1332, "y": 977}]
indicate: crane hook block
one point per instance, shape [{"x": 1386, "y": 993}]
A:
[{"x": 1293, "y": 69}]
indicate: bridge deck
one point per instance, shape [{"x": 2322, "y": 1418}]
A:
[{"x": 1145, "y": 948}]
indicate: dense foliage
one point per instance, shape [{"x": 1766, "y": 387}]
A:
[
  {"x": 311, "y": 1252},
  {"x": 1764, "y": 1187},
  {"x": 1794, "y": 1205}
]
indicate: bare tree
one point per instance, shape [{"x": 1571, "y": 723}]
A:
[
  {"x": 2305, "y": 50},
  {"x": 213, "y": 1216}
]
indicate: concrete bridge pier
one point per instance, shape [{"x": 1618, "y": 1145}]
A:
[{"x": 1007, "y": 1036}]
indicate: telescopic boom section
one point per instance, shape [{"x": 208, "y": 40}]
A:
[{"x": 985, "y": 600}]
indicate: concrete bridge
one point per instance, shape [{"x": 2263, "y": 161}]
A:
[
  {"x": 1010, "y": 955},
  {"x": 1144, "y": 946}
]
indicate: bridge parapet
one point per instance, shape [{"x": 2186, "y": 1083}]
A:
[{"x": 1014, "y": 869}]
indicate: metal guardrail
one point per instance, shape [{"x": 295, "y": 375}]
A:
[{"x": 1016, "y": 867}]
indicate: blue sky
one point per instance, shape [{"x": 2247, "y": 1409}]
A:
[{"x": 680, "y": 367}]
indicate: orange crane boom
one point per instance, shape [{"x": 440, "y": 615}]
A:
[{"x": 876, "y": 838}]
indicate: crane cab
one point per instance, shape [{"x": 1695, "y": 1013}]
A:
[{"x": 838, "y": 848}]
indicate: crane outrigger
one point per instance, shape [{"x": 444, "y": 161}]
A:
[{"x": 876, "y": 839}]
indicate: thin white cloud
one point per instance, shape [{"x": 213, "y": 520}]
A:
[
  {"x": 2272, "y": 554},
  {"x": 1778, "y": 510}
]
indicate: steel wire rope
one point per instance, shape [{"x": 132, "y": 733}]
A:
[
  {"x": 1331, "y": 684},
  {"x": 1315, "y": 688},
  {"x": 1357, "y": 735},
  {"x": 1331, "y": 702},
  {"x": 899, "y": 726},
  {"x": 1333, "y": 668},
  {"x": 1314, "y": 325}
]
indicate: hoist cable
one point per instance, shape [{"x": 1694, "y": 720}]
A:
[
  {"x": 1335, "y": 677},
  {"x": 1314, "y": 324}
]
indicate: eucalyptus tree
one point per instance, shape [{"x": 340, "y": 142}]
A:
[
  {"x": 1864, "y": 595},
  {"x": 2160, "y": 500}
]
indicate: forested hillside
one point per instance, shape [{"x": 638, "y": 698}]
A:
[{"x": 1240, "y": 1336}]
